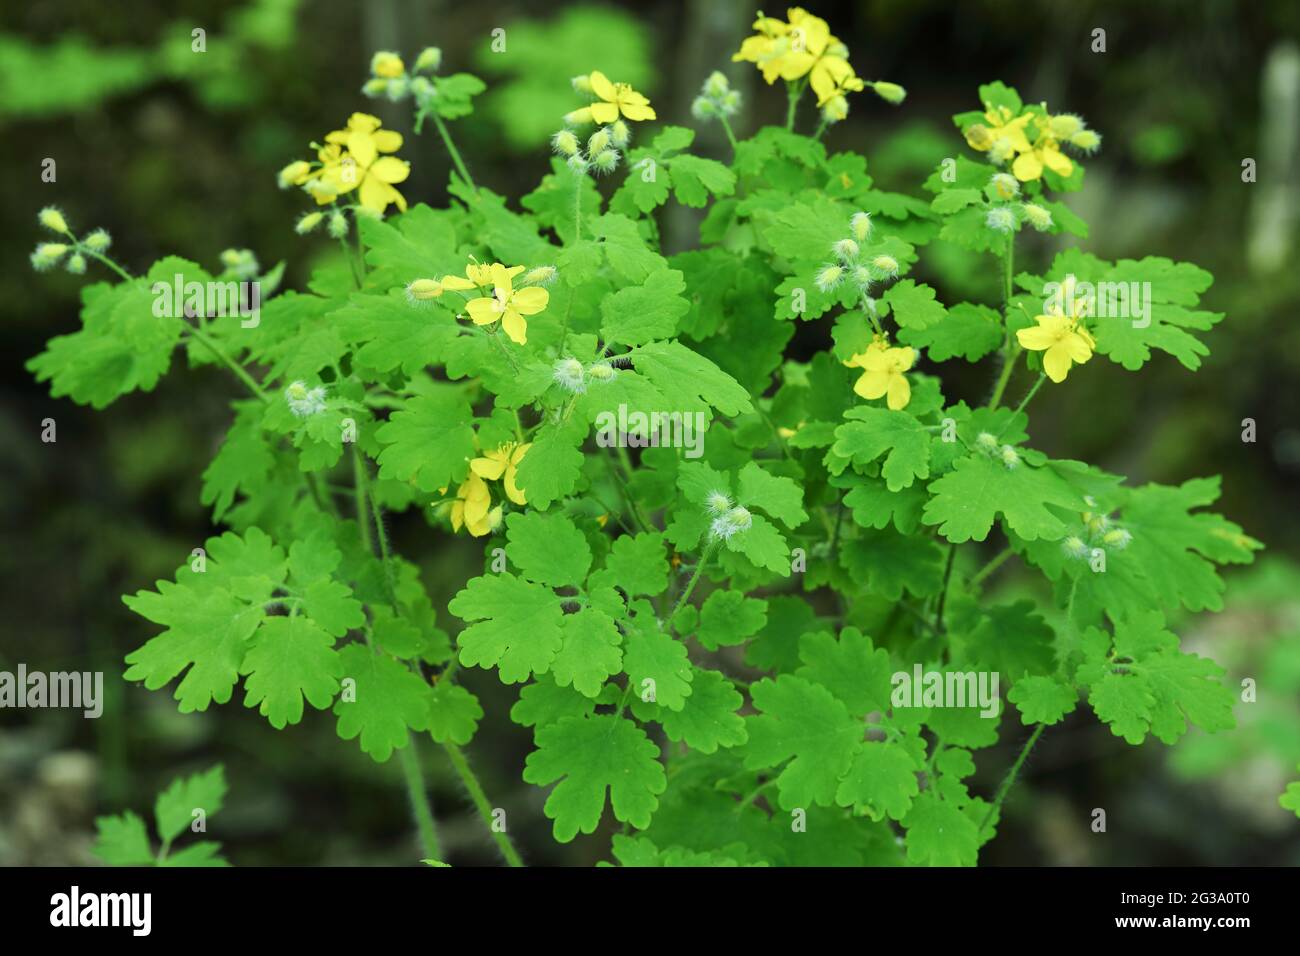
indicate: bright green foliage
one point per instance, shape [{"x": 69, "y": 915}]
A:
[
  {"x": 187, "y": 804},
  {"x": 825, "y": 540}
]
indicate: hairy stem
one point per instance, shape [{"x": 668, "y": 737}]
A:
[
  {"x": 731, "y": 136},
  {"x": 695, "y": 578},
  {"x": 419, "y": 799},
  {"x": 1010, "y": 778},
  {"x": 1042, "y": 377},
  {"x": 453, "y": 151},
  {"x": 479, "y": 797},
  {"x": 943, "y": 590},
  {"x": 242, "y": 373}
]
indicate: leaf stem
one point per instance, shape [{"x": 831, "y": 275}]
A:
[
  {"x": 419, "y": 799},
  {"x": 453, "y": 151},
  {"x": 1008, "y": 365},
  {"x": 690, "y": 585},
  {"x": 731, "y": 135},
  {"x": 1010, "y": 778},
  {"x": 577, "y": 208},
  {"x": 943, "y": 591},
  {"x": 992, "y": 566},
  {"x": 1042, "y": 377},
  {"x": 479, "y": 797},
  {"x": 202, "y": 337}
]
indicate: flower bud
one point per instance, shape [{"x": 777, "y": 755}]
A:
[
  {"x": 582, "y": 84},
  {"x": 577, "y": 117},
  {"x": 862, "y": 277},
  {"x": 829, "y": 277},
  {"x": 577, "y": 163},
  {"x": 620, "y": 134},
  {"x": 1009, "y": 457},
  {"x": 1117, "y": 538},
  {"x": 980, "y": 137},
  {"x": 601, "y": 372},
  {"x": 703, "y": 108},
  {"x": 422, "y": 289},
  {"x": 429, "y": 60},
  {"x": 374, "y": 87},
  {"x": 716, "y": 86},
  {"x": 338, "y": 224},
  {"x": 606, "y": 161},
  {"x": 1074, "y": 546},
  {"x": 845, "y": 250},
  {"x": 1064, "y": 126},
  {"x": 293, "y": 174},
  {"x": 717, "y": 503},
  {"x": 76, "y": 263},
  {"x": 387, "y": 65},
  {"x": 835, "y": 109},
  {"x": 422, "y": 89},
  {"x": 52, "y": 219},
  {"x": 542, "y": 275},
  {"x": 98, "y": 241},
  {"x": 1036, "y": 216},
  {"x": 598, "y": 141},
  {"x": 1001, "y": 150},
  {"x": 308, "y": 223},
  {"x": 891, "y": 93},
  {"x": 565, "y": 143},
  {"x": 397, "y": 89},
  {"x": 885, "y": 266},
  {"x": 568, "y": 374},
  {"x": 1005, "y": 186},
  {"x": 986, "y": 440},
  {"x": 1086, "y": 140},
  {"x": 1000, "y": 219},
  {"x": 303, "y": 401},
  {"x": 47, "y": 255},
  {"x": 861, "y": 225},
  {"x": 730, "y": 103}
]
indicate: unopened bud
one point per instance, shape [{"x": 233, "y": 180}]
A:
[
  {"x": 52, "y": 219},
  {"x": 891, "y": 93}
]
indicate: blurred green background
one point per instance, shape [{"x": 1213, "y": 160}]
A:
[{"x": 176, "y": 152}]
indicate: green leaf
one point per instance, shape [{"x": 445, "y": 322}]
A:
[
  {"x": 635, "y": 315},
  {"x": 804, "y": 724},
  {"x": 966, "y": 330},
  {"x": 1042, "y": 700},
  {"x": 589, "y": 654},
  {"x": 385, "y": 702},
  {"x": 938, "y": 834},
  {"x": 175, "y": 806},
  {"x": 550, "y": 469},
  {"x": 780, "y": 497},
  {"x": 870, "y": 432},
  {"x": 687, "y": 377},
  {"x": 695, "y": 178},
  {"x": 429, "y": 441},
  {"x": 636, "y": 564},
  {"x": 547, "y": 549},
  {"x": 545, "y": 702},
  {"x": 882, "y": 778},
  {"x": 519, "y": 629},
  {"x": 728, "y": 618},
  {"x": 888, "y": 563},
  {"x": 123, "y": 841},
  {"x": 967, "y": 500},
  {"x": 454, "y": 94},
  {"x": 291, "y": 658},
  {"x": 708, "y": 721},
  {"x": 454, "y": 713},
  {"x": 914, "y": 306},
  {"x": 589, "y": 756},
  {"x": 657, "y": 666},
  {"x": 855, "y": 671}
]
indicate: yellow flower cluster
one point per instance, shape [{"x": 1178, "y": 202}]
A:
[
  {"x": 1031, "y": 141},
  {"x": 473, "y": 509},
  {"x": 883, "y": 368},
  {"x": 801, "y": 46},
  {"x": 504, "y": 304},
  {"x": 354, "y": 159}
]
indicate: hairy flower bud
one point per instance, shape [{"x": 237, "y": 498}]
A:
[
  {"x": 1036, "y": 216},
  {"x": 98, "y": 241},
  {"x": 568, "y": 374},
  {"x": 387, "y": 65},
  {"x": 76, "y": 263},
  {"x": 620, "y": 134},
  {"x": 565, "y": 143},
  {"x": 293, "y": 174},
  {"x": 861, "y": 225},
  {"x": 52, "y": 219},
  {"x": 1005, "y": 186},
  {"x": 828, "y": 277},
  {"x": 422, "y": 289},
  {"x": 886, "y": 267},
  {"x": 846, "y": 250},
  {"x": 308, "y": 223},
  {"x": 429, "y": 60},
  {"x": 891, "y": 93},
  {"x": 1000, "y": 219}
]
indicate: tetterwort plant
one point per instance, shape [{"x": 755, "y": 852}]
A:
[{"x": 462, "y": 362}]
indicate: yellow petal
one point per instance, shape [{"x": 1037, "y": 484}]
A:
[
  {"x": 361, "y": 146},
  {"x": 602, "y": 87},
  {"x": 1027, "y": 167},
  {"x": 484, "y": 311},
  {"x": 530, "y": 300},
  {"x": 390, "y": 169},
  {"x": 1035, "y": 339},
  {"x": 637, "y": 112},
  {"x": 1057, "y": 162},
  {"x": 387, "y": 140},
  {"x": 490, "y": 466},
  {"x": 604, "y": 112},
  {"x": 515, "y": 326},
  {"x": 1056, "y": 362},
  {"x": 1078, "y": 348},
  {"x": 900, "y": 392},
  {"x": 479, "y": 274},
  {"x": 457, "y": 283},
  {"x": 872, "y": 384}
]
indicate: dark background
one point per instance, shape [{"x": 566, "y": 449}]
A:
[{"x": 176, "y": 152}]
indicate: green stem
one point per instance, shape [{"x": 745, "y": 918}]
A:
[
  {"x": 992, "y": 566},
  {"x": 419, "y": 799},
  {"x": 794, "y": 90},
  {"x": 480, "y": 800},
  {"x": 1008, "y": 365},
  {"x": 821, "y": 128},
  {"x": 1010, "y": 778},
  {"x": 1042, "y": 377},
  {"x": 943, "y": 591},
  {"x": 731, "y": 135},
  {"x": 453, "y": 151},
  {"x": 106, "y": 260},
  {"x": 577, "y": 205},
  {"x": 690, "y": 585},
  {"x": 360, "y": 489},
  {"x": 230, "y": 363}
]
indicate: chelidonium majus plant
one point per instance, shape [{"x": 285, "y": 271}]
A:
[{"x": 743, "y": 597}]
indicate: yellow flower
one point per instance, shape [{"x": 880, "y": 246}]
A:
[
  {"x": 1046, "y": 151},
  {"x": 363, "y": 167},
  {"x": 1060, "y": 334},
  {"x": 472, "y": 507},
  {"x": 883, "y": 369},
  {"x": 507, "y": 304},
  {"x": 1004, "y": 133},
  {"x": 801, "y": 45},
  {"x": 503, "y": 462},
  {"x": 614, "y": 99},
  {"x": 387, "y": 65}
]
